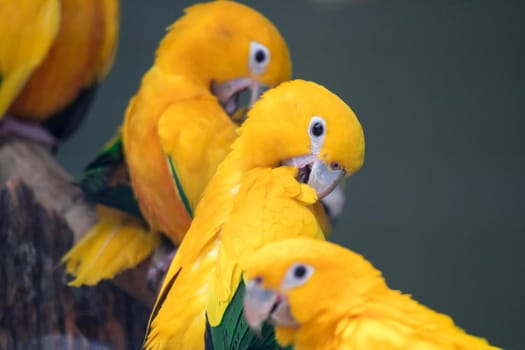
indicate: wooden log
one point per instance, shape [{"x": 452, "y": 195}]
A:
[
  {"x": 31, "y": 237},
  {"x": 42, "y": 213},
  {"x": 50, "y": 182},
  {"x": 53, "y": 186}
]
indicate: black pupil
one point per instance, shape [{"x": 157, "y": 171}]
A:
[
  {"x": 299, "y": 271},
  {"x": 260, "y": 56},
  {"x": 317, "y": 129}
]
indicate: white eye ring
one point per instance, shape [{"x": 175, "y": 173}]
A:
[
  {"x": 317, "y": 132},
  {"x": 259, "y": 57},
  {"x": 297, "y": 275}
]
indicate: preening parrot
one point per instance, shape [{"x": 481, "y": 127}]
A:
[
  {"x": 297, "y": 144},
  {"x": 177, "y": 129},
  {"x": 53, "y": 53},
  {"x": 322, "y": 296}
]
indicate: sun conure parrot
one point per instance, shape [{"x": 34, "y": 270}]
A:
[
  {"x": 322, "y": 296},
  {"x": 298, "y": 142},
  {"x": 53, "y": 54},
  {"x": 178, "y": 128}
]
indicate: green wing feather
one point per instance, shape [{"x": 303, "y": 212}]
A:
[
  {"x": 106, "y": 179},
  {"x": 179, "y": 186},
  {"x": 234, "y": 333}
]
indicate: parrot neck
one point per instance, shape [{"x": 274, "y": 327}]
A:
[
  {"x": 324, "y": 328},
  {"x": 249, "y": 155},
  {"x": 309, "y": 336},
  {"x": 234, "y": 166}
]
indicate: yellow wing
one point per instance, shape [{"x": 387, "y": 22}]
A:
[
  {"x": 27, "y": 31},
  {"x": 145, "y": 128},
  {"x": 208, "y": 266},
  {"x": 196, "y": 135}
]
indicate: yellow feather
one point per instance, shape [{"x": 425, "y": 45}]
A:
[
  {"x": 191, "y": 146},
  {"x": 27, "y": 31},
  {"x": 117, "y": 242}
]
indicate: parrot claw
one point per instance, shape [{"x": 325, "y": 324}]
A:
[
  {"x": 157, "y": 271},
  {"x": 10, "y": 126}
]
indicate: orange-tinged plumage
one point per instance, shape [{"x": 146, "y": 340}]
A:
[
  {"x": 254, "y": 199},
  {"x": 179, "y": 126},
  {"x": 175, "y": 114},
  {"x": 323, "y": 296},
  {"x": 51, "y": 50}
]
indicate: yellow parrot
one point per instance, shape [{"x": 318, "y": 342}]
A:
[
  {"x": 53, "y": 53},
  {"x": 297, "y": 144},
  {"x": 322, "y": 296},
  {"x": 179, "y": 126}
]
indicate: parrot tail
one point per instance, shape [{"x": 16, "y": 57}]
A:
[{"x": 117, "y": 242}]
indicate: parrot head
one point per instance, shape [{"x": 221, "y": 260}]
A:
[
  {"x": 294, "y": 282},
  {"x": 229, "y": 47},
  {"x": 303, "y": 125}
]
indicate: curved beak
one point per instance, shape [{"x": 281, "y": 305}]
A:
[
  {"x": 258, "y": 304},
  {"x": 314, "y": 172},
  {"x": 324, "y": 179},
  {"x": 229, "y": 93},
  {"x": 262, "y": 304},
  {"x": 333, "y": 203}
]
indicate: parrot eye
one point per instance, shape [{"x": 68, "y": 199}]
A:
[
  {"x": 297, "y": 275},
  {"x": 317, "y": 127},
  {"x": 317, "y": 131},
  {"x": 259, "y": 57}
]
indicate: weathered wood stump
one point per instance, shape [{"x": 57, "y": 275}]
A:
[
  {"x": 42, "y": 213},
  {"x": 32, "y": 237}
]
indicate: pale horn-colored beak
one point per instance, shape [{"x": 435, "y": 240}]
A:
[
  {"x": 314, "y": 172},
  {"x": 228, "y": 94},
  {"x": 258, "y": 304},
  {"x": 334, "y": 203},
  {"x": 325, "y": 179},
  {"x": 265, "y": 305}
]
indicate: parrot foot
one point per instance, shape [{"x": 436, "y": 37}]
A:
[
  {"x": 158, "y": 270},
  {"x": 10, "y": 126}
]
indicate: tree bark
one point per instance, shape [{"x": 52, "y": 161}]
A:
[{"x": 42, "y": 213}]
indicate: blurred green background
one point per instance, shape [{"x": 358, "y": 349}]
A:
[{"x": 439, "y": 206}]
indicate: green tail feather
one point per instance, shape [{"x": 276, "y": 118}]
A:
[
  {"x": 234, "y": 333},
  {"x": 99, "y": 183}
]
